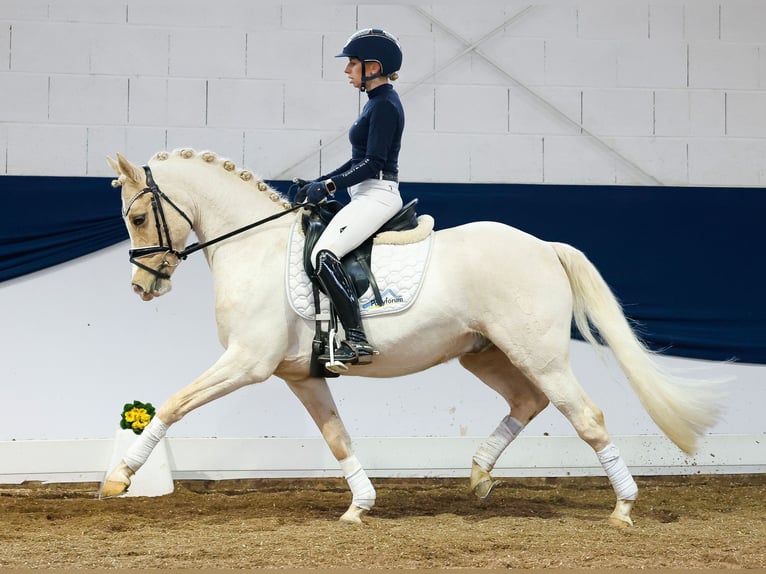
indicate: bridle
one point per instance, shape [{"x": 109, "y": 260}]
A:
[{"x": 164, "y": 241}]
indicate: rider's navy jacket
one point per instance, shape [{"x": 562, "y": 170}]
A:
[{"x": 376, "y": 138}]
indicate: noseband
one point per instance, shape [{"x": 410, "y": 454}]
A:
[{"x": 164, "y": 241}]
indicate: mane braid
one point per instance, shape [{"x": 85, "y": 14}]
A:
[{"x": 228, "y": 165}]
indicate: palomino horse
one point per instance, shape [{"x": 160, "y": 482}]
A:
[{"x": 513, "y": 336}]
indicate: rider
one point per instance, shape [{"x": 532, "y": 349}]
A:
[{"x": 371, "y": 178}]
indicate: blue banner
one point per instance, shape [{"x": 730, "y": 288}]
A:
[{"x": 686, "y": 262}]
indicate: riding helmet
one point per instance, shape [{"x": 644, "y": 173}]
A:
[{"x": 373, "y": 44}]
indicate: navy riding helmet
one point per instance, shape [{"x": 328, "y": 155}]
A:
[{"x": 373, "y": 44}]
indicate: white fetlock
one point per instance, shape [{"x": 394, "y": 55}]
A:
[
  {"x": 117, "y": 482},
  {"x": 362, "y": 492},
  {"x": 620, "y": 517},
  {"x": 353, "y": 515},
  {"x": 482, "y": 482}
]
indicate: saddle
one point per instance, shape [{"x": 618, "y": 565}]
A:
[{"x": 357, "y": 263}]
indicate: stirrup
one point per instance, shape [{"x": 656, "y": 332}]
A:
[{"x": 348, "y": 353}]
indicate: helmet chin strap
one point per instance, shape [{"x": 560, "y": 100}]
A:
[{"x": 365, "y": 79}]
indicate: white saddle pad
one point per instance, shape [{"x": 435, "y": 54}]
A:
[{"x": 398, "y": 267}]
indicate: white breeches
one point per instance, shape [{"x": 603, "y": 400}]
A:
[{"x": 373, "y": 202}]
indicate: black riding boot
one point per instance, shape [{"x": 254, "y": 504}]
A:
[{"x": 354, "y": 349}]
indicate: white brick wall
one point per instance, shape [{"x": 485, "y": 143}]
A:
[{"x": 678, "y": 89}]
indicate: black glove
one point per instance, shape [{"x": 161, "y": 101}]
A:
[
  {"x": 315, "y": 192},
  {"x": 300, "y": 195}
]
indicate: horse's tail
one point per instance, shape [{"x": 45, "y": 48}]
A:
[{"x": 682, "y": 408}]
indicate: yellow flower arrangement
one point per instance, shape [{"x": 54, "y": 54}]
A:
[{"x": 136, "y": 415}]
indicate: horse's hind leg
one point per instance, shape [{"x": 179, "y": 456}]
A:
[
  {"x": 316, "y": 397},
  {"x": 525, "y": 402},
  {"x": 563, "y": 390}
]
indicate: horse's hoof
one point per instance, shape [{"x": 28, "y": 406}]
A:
[
  {"x": 620, "y": 517},
  {"x": 353, "y": 515},
  {"x": 117, "y": 482},
  {"x": 112, "y": 488},
  {"x": 481, "y": 482},
  {"x": 483, "y": 489}
]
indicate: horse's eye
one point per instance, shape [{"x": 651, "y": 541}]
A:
[{"x": 138, "y": 220}]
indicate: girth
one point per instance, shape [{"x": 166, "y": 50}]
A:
[{"x": 357, "y": 263}]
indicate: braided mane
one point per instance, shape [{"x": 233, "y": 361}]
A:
[{"x": 213, "y": 159}]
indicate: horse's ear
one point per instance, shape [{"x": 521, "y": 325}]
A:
[
  {"x": 123, "y": 167},
  {"x": 114, "y": 165}
]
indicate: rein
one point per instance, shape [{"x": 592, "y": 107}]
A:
[{"x": 165, "y": 244}]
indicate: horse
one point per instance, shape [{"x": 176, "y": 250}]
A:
[{"x": 498, "y": 299}]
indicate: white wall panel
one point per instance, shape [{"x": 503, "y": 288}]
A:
[
  {"x": 137, "y": 143},
  {"x": 271, "y": 55},
  {"x": 238, "y": 66},
  {"x": 25, "y": 9},
  {"x": 88, "y": 100},
  {"x": 522, "y": 58},
  {"x": 737, "y": 162},
  {"x": 23, "y": 98},
  {"x": 616, "y": 20},
  {"x": 746, "y": 114},
  {"x": 207, "y": 53},
  {"x": 500, "y": 158},
  {"x": 320, "y": 104},
  {"x": 3, "y": 148},
  {"x": 228, "y": 143},
  {"x": 167, "y": 101},
  {"x": 454, "y": 113},
  {"x": 435, "y": 157},
  {"x": 469, "y": 20},
  {"x": 701, "y": 20},
  {"x": 94, "y": 11},
  {"x": 227, "y": 14},
  {"x": 723, "y": 65},
  {"x": 129, "y": 51},
  {"x": 418, "y": 64},
  {"x": 575, "y": 160},
  {"x": 665, "y": 158},
  {"x": 743, "y": 21},
  {"x": 46, "y": 150},
  {"x": 270, "y": 153},
  {"x": 528, "y": 115},
  {"x": 418, "y": 102},
  {"x": 403, "y": 19},
  {"x": 618, "y": 112},
  {"x": 666, "y": 21},
  {"x": 51, "y": 48},
  {"x": 245, "y": 104},
  {"x": 689, "y": 112},
  {"x": 548, "y": 20},
  {"x": 5, "y": 46},
  {"x": 651, "y": 64},
  {"x": 580, "y": 63},
  {"x": 340, "y": 18}
]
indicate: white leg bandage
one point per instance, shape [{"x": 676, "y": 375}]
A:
[
  {"x": 362, "y": 491},
  {"x": 140, "y": 450},
  {"x": 619, "y": 476},
  {"x": 491, "y": 449}
]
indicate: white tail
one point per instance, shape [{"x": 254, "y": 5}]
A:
[{"x": 682, "y": 408}]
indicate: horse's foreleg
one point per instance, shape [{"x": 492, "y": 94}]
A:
[
  {"x": 222, "y": 378},
  {"x": 524, "y": 400},
  {"x": 316, "y": 397}
]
